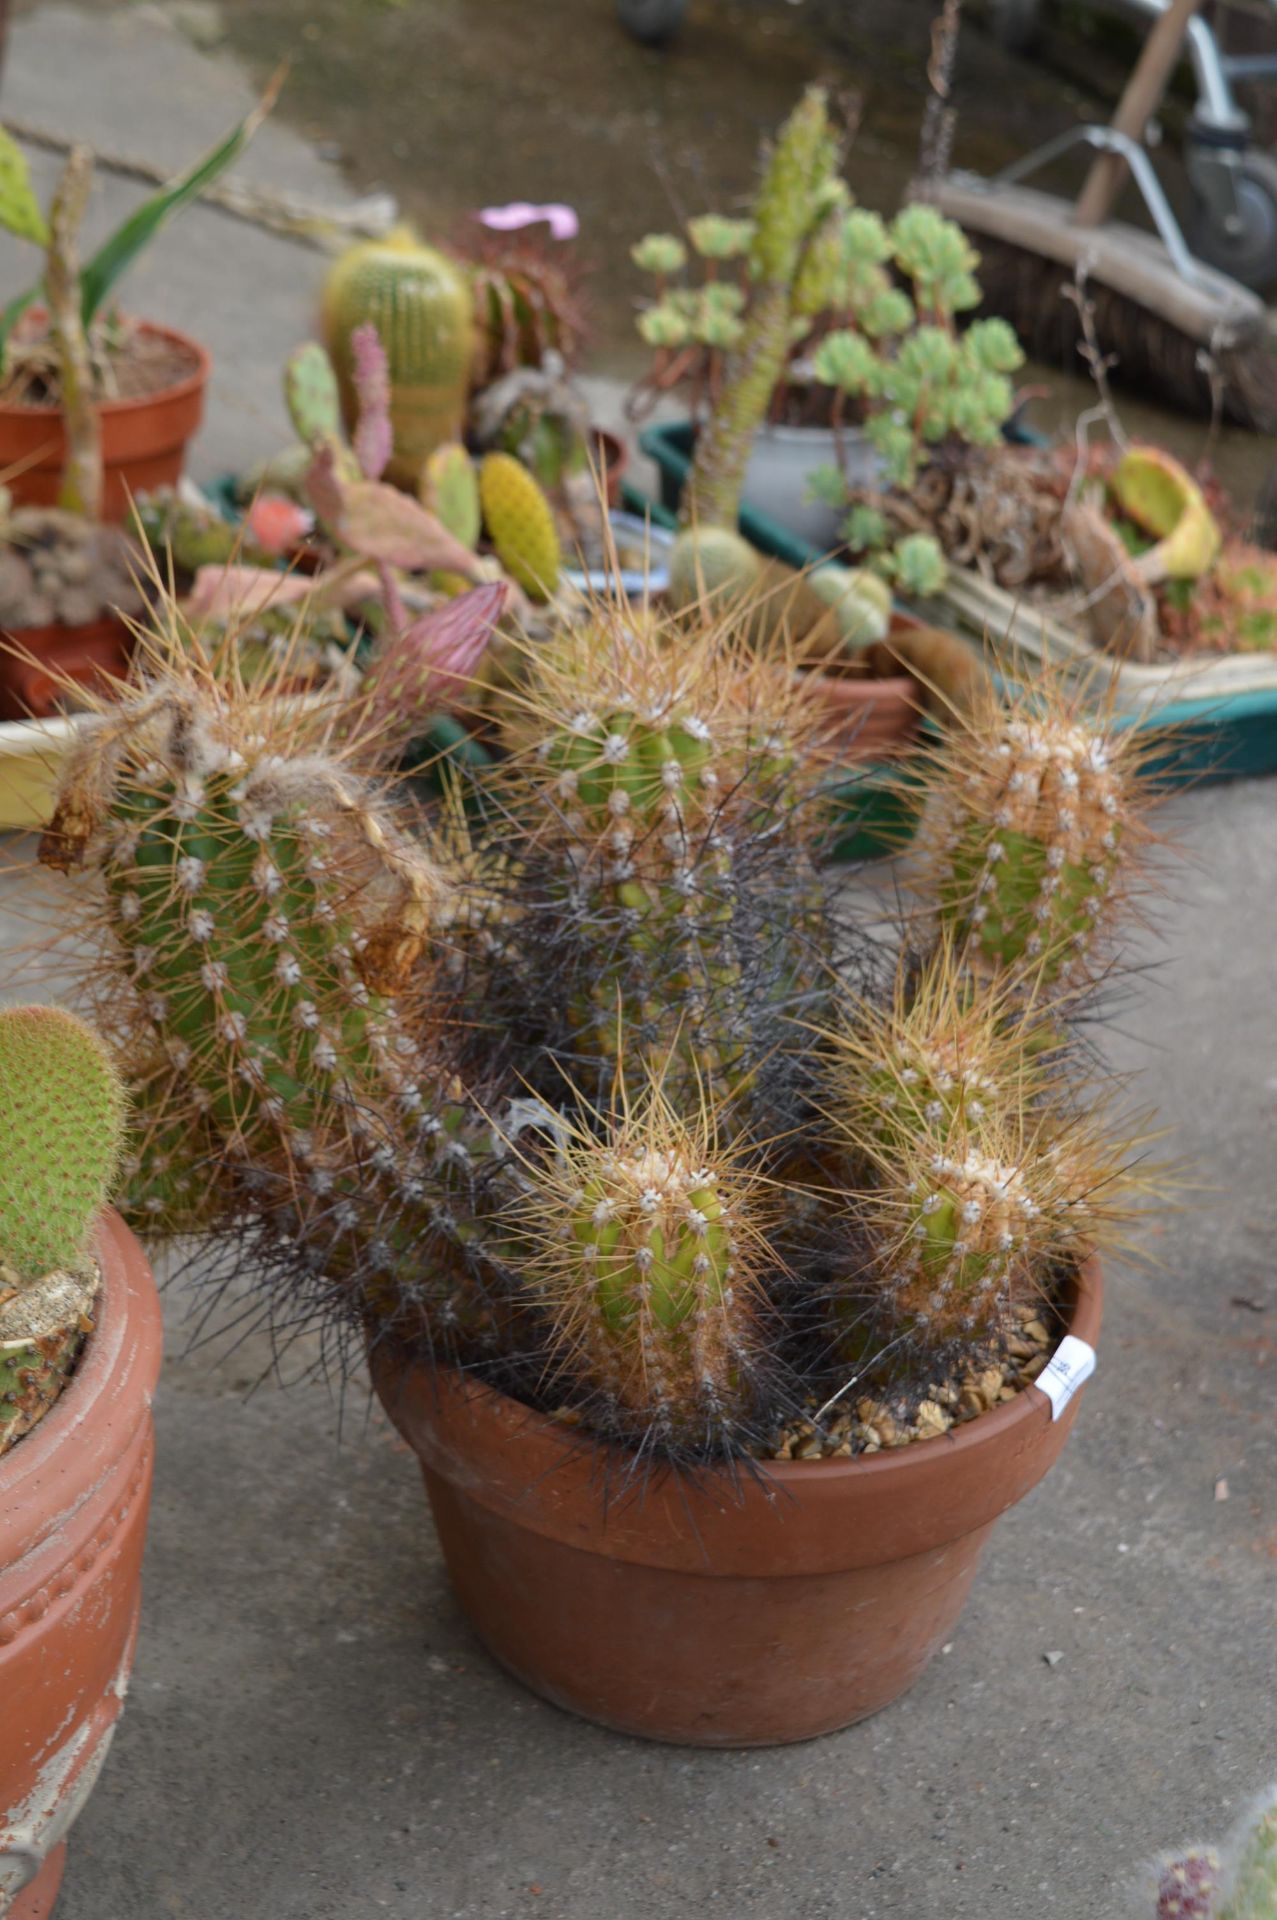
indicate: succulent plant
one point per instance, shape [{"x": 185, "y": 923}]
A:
[
  {"x": 450, "y": 490},
  {"x": 63, "y": 1110},
  {"x": 76, "y": 292},
  {"x": 580, "y": 1074},
  {"x": 420, "y": 304},
  {"x": 1237, "y": 1882},
  {"x": 645, "y": 1251},
  {"x": 527, "y": 302},
  {"x": 520, "y": 524},
  {"x": 1033, "y": 826},
  {"x": 799, "y": 191}
]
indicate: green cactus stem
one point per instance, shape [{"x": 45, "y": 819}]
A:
[
  {"x": 1031, "y": 832},
  {"x": 798, "y": 191},
  {"x": 645, "y": 1251},
  {"x": 275, "y": 928},
  {"x": 311, "y": 395},
  {"x": 62, "y": 1113},
  {"x": 62, "y": 1118}
]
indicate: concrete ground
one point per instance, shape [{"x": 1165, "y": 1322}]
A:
[{"x": 312, "y": 1732}]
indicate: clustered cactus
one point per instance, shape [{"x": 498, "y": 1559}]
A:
[
  {"x": 62, "y": 1111},
  {"x": 580, "y": 1075},
  {"x": 1236, "y": 1882}
]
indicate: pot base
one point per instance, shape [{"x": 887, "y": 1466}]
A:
[
  {"x": 36, "y": 1901},
  {"x": 714, "y": 1610},
  {"x": 797, "y": 1657}
]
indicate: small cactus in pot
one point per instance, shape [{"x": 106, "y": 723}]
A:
[{"x": 63, "y": 1111}]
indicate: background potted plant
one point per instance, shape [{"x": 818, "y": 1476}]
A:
[
  {"x": 79, "y": 1358},
  {"x": 93, "y": 409},
  {"x": 745, "y": 1207}
]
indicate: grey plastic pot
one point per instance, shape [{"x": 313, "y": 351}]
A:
[{"x": 782, "y": 463}]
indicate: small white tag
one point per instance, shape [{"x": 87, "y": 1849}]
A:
[{"x": 1071, "y": 1365}]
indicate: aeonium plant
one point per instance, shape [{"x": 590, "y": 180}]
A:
[{"x": 903, "y": 373}]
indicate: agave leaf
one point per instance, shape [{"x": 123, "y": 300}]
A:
[{"x": 117, "y": 254}]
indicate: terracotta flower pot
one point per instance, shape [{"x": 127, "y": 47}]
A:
[
  {"x": 143, "y": 439},
  {"x": 699, "y": 1612},
  {"x": 869, "y": 719},
  {"x": 34, "y": 688},
  {"x": 73, "y": 1503}
]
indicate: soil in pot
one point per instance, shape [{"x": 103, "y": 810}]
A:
[
  {"x": 716, "y": 1611},
  {"x": 152, "y": 380}
]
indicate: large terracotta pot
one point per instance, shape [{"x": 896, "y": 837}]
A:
[
  {"x": 143, "y": 440},
  {"x": 73, "y": 1503},
  {"x": 702, "y": 1612}
]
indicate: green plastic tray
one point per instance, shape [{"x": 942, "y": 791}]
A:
[{"x": 1208, "y": 740}]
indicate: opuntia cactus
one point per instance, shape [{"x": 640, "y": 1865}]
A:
[
  {"x": 311, "y": 395},
  {"x": 1188, "y": 1887},
  {"x": 450, "y": 490},
  {"x": 62, "y": 1109},
  {"x": 62, "y": 1116}
]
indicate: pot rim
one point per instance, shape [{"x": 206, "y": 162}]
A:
[
  {"x": 800, "y": 1516},
  {"x": 136, "y": 403},
  {"x": 54, "y": 1467}
]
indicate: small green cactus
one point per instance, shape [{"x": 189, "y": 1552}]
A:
[
  {"x": 645, "y": 1251},
  {"x": 1031, "y": 829},
  {"x": 711, "y": 565},
  {"x": 520, "y": 523},
  {"x": 62, "y": 1117}
]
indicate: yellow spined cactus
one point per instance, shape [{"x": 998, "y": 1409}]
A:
[{"x": 520, "y": 524}]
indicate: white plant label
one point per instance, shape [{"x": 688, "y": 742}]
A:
[{"x": 1071, "y": 1365}]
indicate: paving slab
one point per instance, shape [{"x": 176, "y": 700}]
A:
[{"x": 314, "y": 1735}]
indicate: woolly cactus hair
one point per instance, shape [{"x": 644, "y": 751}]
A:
[
  {"x": 62, "y": 1115},
  {"x": 1032, "y": 832},
  {"x": 1188, "y": 1887},
  {"x": 645, "y": 1251}
]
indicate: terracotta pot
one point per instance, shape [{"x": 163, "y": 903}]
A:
[
  {"x": 869, "y": 719},
  {"x": 143, "y": 440},
  {"x": 702, "y": 1613},
  {"x": 34, "y": 688},
  {"x": 73, "y": 1503}
]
